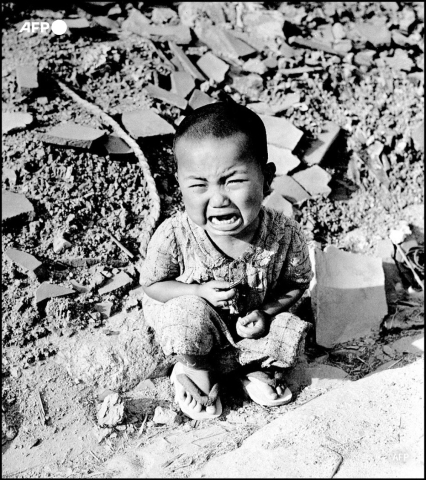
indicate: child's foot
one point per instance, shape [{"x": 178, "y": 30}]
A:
[
  {"x": 195, "y": 394},
  {"x": 265, "y": 390}
]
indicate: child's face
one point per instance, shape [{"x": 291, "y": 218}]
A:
[{"x": 222, "y": 184}]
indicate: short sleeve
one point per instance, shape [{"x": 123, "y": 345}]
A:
[
  {"x": 297, "y": 267},
  {"x": 161, "y": 261}
]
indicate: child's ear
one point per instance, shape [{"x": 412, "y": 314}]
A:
[{"x": 268, "y": 172}]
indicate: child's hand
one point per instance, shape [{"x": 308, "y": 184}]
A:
[
  {"x": 217, "y": 292},
  {"x": 253, "y": 325}
]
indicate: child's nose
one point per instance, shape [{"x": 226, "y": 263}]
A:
[{"x": 219, "y": 198}]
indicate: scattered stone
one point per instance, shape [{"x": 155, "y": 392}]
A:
[
  {"x": 186, "y": 62},
  {"x": 104, "y": 308},
  {"x": 289, "y": 189},
  {"x": 364, "y": 58},
  {"x": 418, "y": 136},
  {"x": 106, "y": 23},
  {"x": 111, "y": 412},
  {"x": 101, "y": 433},
  {"x": 145, "y": 123},
  {"x": 314, "y": 180},
  {"x": 179, "y": 34},
  {"x": 79, "y": 287},
  {"x": 13, "y": 121},
  {"x": 400, "y": 39},
  {"x": 348, "y": 295},
  {"x": 117, "y": 281},
  {"x": 135, "y": 22},
  {"x": 283, "y": 159},
  {"x": 164, "y": 15},
  {"x": 213, "y": 67},
  {"x": 318, "y": 148},
  {"x": 376, "y": 33},
  {"x": 343, "y": 47},
  {"x": 285, "y": 103},
  {"x": 77, "y": 23},
  {"x": 15, "y": 207},
  {"x": 182, "y": 83},
  {"x": 116, "y": 146},
  {"x": 390, "y": 352},
  {"x": 249, "y": 85},
  {"x": 279, "y": 203},
  {"x": 261, "y": 108},
  {"x": 265, "y": 25},
  {"x": 73, "y": 135},
  {"x": 49, "y": 290},
  {"x": 199, "y": 99},
  {"x": 414, "y": 345},
  {"x": 385, "y": 249},
  {"x": 281, "y": 132},
  {"x": 60, "y": 244},
  {"x": 165, "y": 96},
  {"x": 24, "y": 260},
  {"x": 338, "y": 31},
  {"x": 26, "y": 77},
  {"x": 166, "y": 417},
  {"x": 254, "y": 65},
  {"x": 400, "y": 60}
]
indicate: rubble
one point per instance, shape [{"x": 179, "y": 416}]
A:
[
  {"x": 104, "y": 308},
  {"x": 165, "y": 96},
  {"x": 165, "y": 416},
  {"x": 77, "y": 23},
  {"x": 117, "y": 281},
  {"x": 314, "y": 180},
  {"x": 283, "y": 159},
  {"x": 289, "y": 189},
  {"x": 117, "y": 147},
  {"x": 15, "y": 208},
  {"x": 281, "y": 132},
  {"x": 106, "y": 23},
  {"x": 48, "y": 290},
  {"x": 414, "y": 345},
  {"x": 73, "y": 135},
  {"x": 111, "y": 412},
  {"x": 265, "y": 25},
  {"x": 213, "y": 67},
  {"x": 27, "y": 78},
  {"x": 186, "y": 62},
  {"x": 318, "y": 148},
  {"x": 182, "y": 83},
  {"x": 375, "y": 32},
  {"x": 145, "y": 123},
  {"x": 24, "y": 260},
  {"x": 13, "y": 121},
  {"x": 418, "y": 136},
  {"x": 279, "y": 203},
  {"x": 199, "y": 99},
  {"x": 60, "y": 244}
]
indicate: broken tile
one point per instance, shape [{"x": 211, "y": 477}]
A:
[
  {"x": 106, "y": 22},
  {"x": 27, "y": 78},
  {"x": 283, "y": 159},
  {"x": 418, "y": 136},
  {"x": 186, "y": 62},
  {"x": 24, "y": 260},
  {"x": 400, "y": 60},
  {"x": 117, "y": 146},
  {"x": 250, "y": 40},
  {"x": 319, "y": 147},
  {"x": 145, "y": 123},
  {"x": 77, "y": 23},
  {"x": 163, "y": 15},
  {"x": 314, "y": 180},
  {"x": 413, "y": 344},
  {"x": 348, "y": 295},
  {"x": 165, "y": 96},
  {"x": 73, "y": 135},
  {"x": 13, "y": 121},
  {"x": 182, "y": 83},
  {"x": 286, "y": 102},
  {"x": 281, "y": 132},
  {"x": 400, "y": 39},
  {"x": 117, "y": 281},
  {"x": 49, "y": 290},
  {"x": 364, "y": 58},
  {"x": 314, "y": 45},
  {"x": 15, "y": 206},
  {"x": 255, "y": 65},
  {"x": 289, "y": 189},
  {"x": 376, "y": 33},
  {"x": 79, "y": 287},
  {"x": 104, "y": 308},
  {"x": 166, "y": 416},
  {"x": 261, "y": 108},
  {"x": 199, "y": 99},
  {"x": 343, "y": 46},
  {"x": 266, "y": 25},
  {"x": 290, "y": 72},
  {"x": 60, "y": 244},
  {"x": 213, "y": 67},
  {"x": 385, "y": 249},
  {"x": 249, "y": 85},
  {"x": 279, "y": 203},
  {"x": 338, "y": 31}
]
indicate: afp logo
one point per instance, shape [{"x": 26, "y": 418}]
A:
[{"x": 58, "y": 27}]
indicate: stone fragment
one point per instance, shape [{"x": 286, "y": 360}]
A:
[
  {"x": 106, "y": 22},
  {"x": 279, "y": 203},
  {"x": 117, "y": 281},
  {"x": 191, "y": 12},
  {"x": 164, "y": 15},
  {"x": 364, "y": 58},
  {"x": 60, "y": 244},
  {"x": 266, "y": 25},
  {"x": 261, "y": 108},
  {"x": 116, "y": 146},
  {"x": 13, "y": 121},
  {"x": 213, "y": 67},
  {"x": 400, "y": 61},
  {"x": 400, "y": 39},
  {"x": 385, "y": 249},
  {"x": 283, "y": 159},
  {"x": 24, "y": 260},
  {"x": 166, "y": 416},
  {"x": 343, "y": 47},
  {"x": 77, "y": 23},
  {"x": 104, "y": 308},
  {"x": 27, "y": 78},
  {"x": 319, "y": 147},
  {"x": 249, "y": 85},
  {"x": 73, "y": 135},
  {"x": 49, "y": 290},
  {"x": 101, "y": 433},
  {"x": 186, "y": 62},
  {"x": 15, "y": 207},
  {"x": 418, "y": 136},
  {"x": 286, "y": 102},
  {"x": 111, "y": 412},
  {"x": 145, "y": 123},
  {"x": 289, "y": 189},
  {"x": 338, "y": 31},
  {"x": 348, "y": 295},
  {"x": 376, "y": 33},
  {"x": 314, "y": 180},
  {"x": 281, "y": 132},
  {"x": 199, "y": 99},
  {"x": 182, "y": 83},
  {"x": 414, "y": 345},
  {"x": 165, "y": 96},
  {"x": 79, "y": 287},
  {"x": 255, "y": 65}
]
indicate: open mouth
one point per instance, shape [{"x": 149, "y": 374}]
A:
[{"x": 228, "y": 219}]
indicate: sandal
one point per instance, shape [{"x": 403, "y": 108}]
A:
[
  {"x": 257, "y": 394},
  {"x": 212, "y": 398}
]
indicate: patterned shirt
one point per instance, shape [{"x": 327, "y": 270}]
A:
[{"x": 181, "y": 250}]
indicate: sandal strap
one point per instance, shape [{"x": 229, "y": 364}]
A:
[
  {"x": 194, "y": 390},
  {"x": 273, "y": 379}
]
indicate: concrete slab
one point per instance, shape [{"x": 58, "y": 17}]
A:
[
  {"x": 413, "y": 344},
  {"x": 376, "y": 33},
  {"x": 348, "y": 295},
  {"x": 279, "y": 203},
  {"x": 418, "y": 136},
  {"x": 213, "y": 67},
  {"x": 146, "y": 123},
  {"x": 314, "y": 180},
  {"x": 165, "y": 96},
  {"x": 106, "y": 22},
  {"x": 73, "y": 135},
  {"x": 49, "y": 290},
  {"x": 27, "y": 78},
  {"x": 77, "y": 23},
  {"x": 318, "y": 148},
  {"x": 199, "y": 99},
  {"x": 16, "y": 207},
  {"x": 23, "y": 259},
  {"x": 104, "y": 308},
  {"x": 117, "y": 146},
  {"x": 283, "y": 159},
  {"x": 289, "y": 189},
  {"x": 186, "y": 62},
  {"x": 281, "y": 132},
  {"x": 117, "y": 281},
  {"x": 182, "y": 83},
  {"x": 13, "y": 121}
]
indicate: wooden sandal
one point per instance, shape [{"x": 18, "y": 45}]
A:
[{"x": 258, "y": 395}]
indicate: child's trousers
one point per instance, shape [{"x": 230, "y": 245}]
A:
[{"x": 190, "y": 325}]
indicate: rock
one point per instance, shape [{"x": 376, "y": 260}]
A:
[
  {"x": 376, "y": 33},
  {"x": 348, "y": 295},
  {"x": 254, "y": 65},
  {"x": 199, "y": 99},
  {"x": 111, "y": 412},
  {"x": 186, "y": 62},
  {"x": 281, "y": 132},
  {"x": 283, "y": 159},
  {"x": 104, "y": 308},
  {"x": 331, "y": 427},
  {"x": 117, "y": 281},
  {"x": 77, "y": 23},
  {"x": 79, "y": 287},
  {"x": 135, "y": 23},
  {"x": 13, "y": 121},
  {"x": 213, "y": 67},
  {"x": 261, "y": 108},
  {"x": 165, "y": 96},
  {"x": 116, "y": 146},
  {"x": 338, "y": 31},
  {"x": 385, "y": 249},
  {"x": 24, "y": 260},
  {"x": 190, "y": 12},
  {"x": 285, "y": 103},
  {"x": 364, "y": 58},
  {"x": 182, "y": 83},
  {"x": 418, "y": 136},
  {"x": 400, "y": 39},
  {"x": 414, "y": 345},
  {"x": 318, "y": 148},
  {"x": 163, "y": 15},
  {"x": 106, "y": 23},
  {"x": 73, "y": 135},
  {"x": 15, "y": 208},
  {"x": 101, "y": 433},
  {"x": 60, "y": 244},
  {"x": 343, "y": 47},
  {"x": 400, "y": 61},
  {"x": 249, "y": 85},
  {"x": 289, "y": 189},
  {"x": 27, "y": 78},
  {"x": 145, "y": 123},
  {"x": 104, "y": 393},
  {"x": 265, "y": 25},
  {"x": 279, "y": 203},
  {"x": 166, "y": 416},
  {"x": 49, "y": 290},
  {"x": 314, "y": 180}
]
